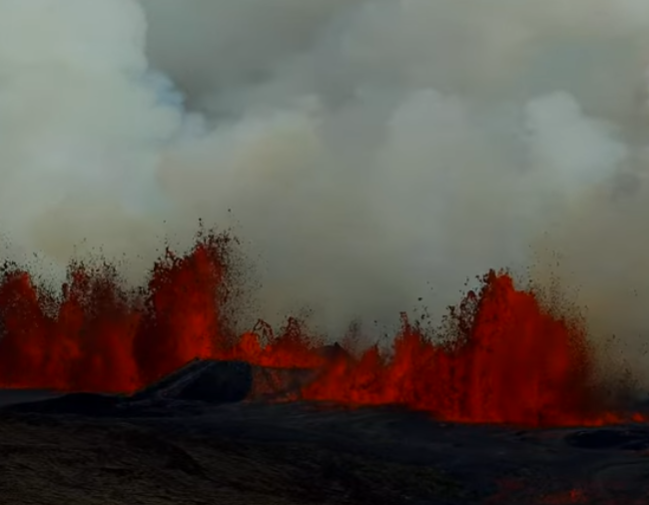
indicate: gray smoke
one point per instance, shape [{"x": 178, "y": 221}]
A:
[{"x": 369, "y": 152}]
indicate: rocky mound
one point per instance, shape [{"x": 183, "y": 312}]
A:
[{"x": 200, "y": 381}]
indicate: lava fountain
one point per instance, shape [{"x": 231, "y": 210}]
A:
[{"x": 502, "y": 358}]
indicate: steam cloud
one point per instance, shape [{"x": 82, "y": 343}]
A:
[{"x": 371, "y": 151}]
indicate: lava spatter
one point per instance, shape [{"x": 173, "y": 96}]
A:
[{"x": 508, "y": 359}]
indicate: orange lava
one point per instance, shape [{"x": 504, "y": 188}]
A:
[
  {"x": 517, "y": 491},
  {"x": 573, "y": 496},
  {"x": 505, "y": 359}
]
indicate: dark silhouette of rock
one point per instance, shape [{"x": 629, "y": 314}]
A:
[
  {"x": 198, "y": 382},
  {"x": 208, "y": 381},
  {"x": 218, "y": 382}
]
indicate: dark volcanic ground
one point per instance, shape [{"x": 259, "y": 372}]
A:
[{"x": 271, "y": 454}]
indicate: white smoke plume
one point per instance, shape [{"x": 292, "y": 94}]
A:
[{"x": 370, "y": 152}]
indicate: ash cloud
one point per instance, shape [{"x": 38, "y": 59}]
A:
[{"x": 368, "y": 152}]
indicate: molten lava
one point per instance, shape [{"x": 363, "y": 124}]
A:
[{"x": 504, "y": 358}]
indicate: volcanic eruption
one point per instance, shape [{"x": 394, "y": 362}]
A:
[
  {"x": 505, "y": 357},
  {"x": 370, "y": 155}
]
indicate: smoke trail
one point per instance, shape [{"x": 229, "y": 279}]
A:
[
  {"x": 371, "y": 152},
  {"x": 82, "y": 121}
]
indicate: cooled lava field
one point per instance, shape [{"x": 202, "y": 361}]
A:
[{"x": 85, "y": 450}]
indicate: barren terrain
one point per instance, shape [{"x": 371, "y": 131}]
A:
[{"x": 256, "y": 453}]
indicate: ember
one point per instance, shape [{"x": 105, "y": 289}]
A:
[{"x": 505, "y": 358}]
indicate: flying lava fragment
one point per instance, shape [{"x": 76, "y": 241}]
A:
[{"x": 503, "y": 358}]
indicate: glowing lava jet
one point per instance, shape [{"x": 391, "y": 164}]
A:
[{"x": 508, "y": 359}]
